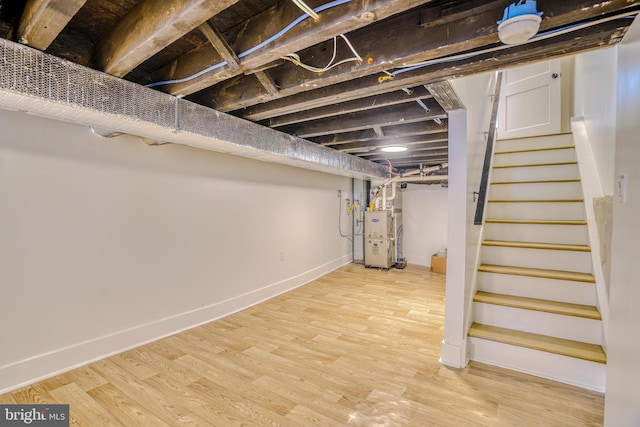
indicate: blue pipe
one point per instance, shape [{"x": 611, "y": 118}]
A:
[{"x": 255, "y": 48}]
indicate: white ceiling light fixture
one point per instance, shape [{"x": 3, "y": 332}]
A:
[
  {"x": 394, "y": 149},
  {"x": 520, "y": 22}
]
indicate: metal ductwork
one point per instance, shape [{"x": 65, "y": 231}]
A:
[{"x": 44, "y": 85}]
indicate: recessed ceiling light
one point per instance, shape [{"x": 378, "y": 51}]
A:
[{"x": 394, "y": 149}]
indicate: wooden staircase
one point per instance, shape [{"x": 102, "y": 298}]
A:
[{"x": 535, "y": 309}]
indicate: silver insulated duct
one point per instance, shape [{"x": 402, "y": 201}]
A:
[{"x": 51, "y": 87}]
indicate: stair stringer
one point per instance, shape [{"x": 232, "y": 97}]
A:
[{"x": 592, "y": 190}]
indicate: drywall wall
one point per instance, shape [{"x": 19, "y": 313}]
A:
[
  {"x": 466, "y": 155},
  {"x": 424, "y": 217},
  {"x": 108, "y": 243},
  {"x": 622, "y": 400},
  {"x": 595, "y": 102}
]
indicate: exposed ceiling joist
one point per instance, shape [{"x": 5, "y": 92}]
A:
[
  {"x": 267, "y": 82},
  {"x": 445, "y": 95},
  {"x": 391, "y": 132},
  {"x": 418, "y": 44},
  {"x": 42, "y": 21},
  {"x": 373, "y": 96},
  {"x": 601, "y": 35},
  {"x": 220, "y": 45},
  {"x": 437, "y": 140},
  {"x": 149, "y": 27},
  {"x": 362, "y": 104},
  {"x": 248, "y": 35},
  {"x": 387, "y": 116}
]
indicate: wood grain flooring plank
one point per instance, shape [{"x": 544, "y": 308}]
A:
[
  {"x": 244, "y": 406},
  {"x": 35, "y": 393},
  {"x": 247, "y": 389},
  {"x": 122, "y": 407},
  {"x": 179, "y": 373},
  {"x": 201, "y": 405},
  {"x": 131, "y": 364},
  {"x": 85, "y": 377},
  {"x": 7, "y": 399},
  {"x": 160, "y": 404},
  {"x": 54, "y": 382},
  {"x": 356, "y": 347},
  {"x": 83, "y": 409},
  {"x": 195, "y": 338}
]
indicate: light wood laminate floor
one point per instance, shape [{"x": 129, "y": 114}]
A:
[{"x": 357, "y": 347}]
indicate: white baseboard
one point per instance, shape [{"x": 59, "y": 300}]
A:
[
  {"x": 454, "y": 354},
  {"x": 37, "y": 368}
]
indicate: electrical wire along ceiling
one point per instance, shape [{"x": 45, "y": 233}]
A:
[{"x": 365, "y": 77}]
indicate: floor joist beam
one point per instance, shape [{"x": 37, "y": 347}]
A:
[
  {"x": 341, "y": 19},
  {"x": 148, "y": 28},
  {"x": 43, "y": 20}
]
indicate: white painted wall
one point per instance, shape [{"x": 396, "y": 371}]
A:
[
  {"x": 109, "y": 243},
  {"x": 595, "y": 102},
  {"x": 622, "y": 400},
  {"x": 466, "y": 154},
  {"x": 424, "y": 216}
]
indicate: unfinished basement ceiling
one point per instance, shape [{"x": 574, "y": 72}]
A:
[{"x": 266, "y": 61}]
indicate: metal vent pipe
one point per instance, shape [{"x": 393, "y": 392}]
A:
[{"x": 42, "y": 84}]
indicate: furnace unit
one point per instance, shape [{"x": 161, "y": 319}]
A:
[{"x": 378, "y": 239}]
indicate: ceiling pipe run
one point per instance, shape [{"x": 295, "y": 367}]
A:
[
  {"x": 417, "y": 175},
  {"x": 47, "y": 86}
]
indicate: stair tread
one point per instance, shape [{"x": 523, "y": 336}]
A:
[
  {"x": 536, "y": 200},
  {"x": 537, "y": 245},
  {"x": 537, "y": 221},
  {"x": 536, "y": 181},
  {"x": 538, "y": 272},
  {"x": 519, "y": 138},
  {"x": 547, "y": 306},
  {"x": 577, "y": 349},
  {"x": 530, "y": 165},
  {"x": 564, "y": 147}
]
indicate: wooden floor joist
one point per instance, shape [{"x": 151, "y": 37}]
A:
[
  {"x": 580, "y": 350},
  {"x": 547, "y": 306}
]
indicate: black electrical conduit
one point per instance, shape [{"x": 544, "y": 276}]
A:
[{"x": 488, "y": 154}]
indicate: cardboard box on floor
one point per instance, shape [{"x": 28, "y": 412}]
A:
[{"x": 438, "y": 264}]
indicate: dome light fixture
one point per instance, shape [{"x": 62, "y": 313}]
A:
[
  {"x": 520, "y": 22},
  {"x": 394, "y": 149}
]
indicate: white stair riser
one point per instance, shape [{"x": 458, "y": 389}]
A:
[
  {"x": 569, "y": 234},
  {"x": 550, "y": 190},
  {"x": 533, "y": 143},
  {"x": 535, "y": 157},
  {"x": 537, "y": 322},
  {"x": 536, "y": 287},
  {"x": 537, "y": 258},
  {"x": 535, "y": 173},
  {"x": 536, "y": 210},
  {"x": 578, "y": 372}
]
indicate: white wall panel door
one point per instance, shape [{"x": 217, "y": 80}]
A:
[{"x": 530, "y": 103}]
